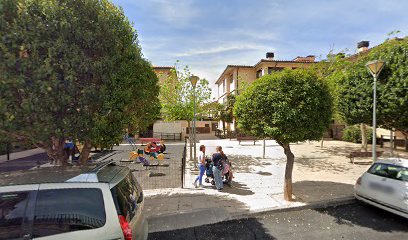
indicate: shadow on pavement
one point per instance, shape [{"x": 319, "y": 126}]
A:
[
  {"x": 238, "y": 189},
  {"x": 24, "y": 163},
  {"x": 235, "y": 229},
  {"x": 316, "y": 191},
  {"x": 245, "y": 163},
  {"x": 316, "y": 164},
  {"x": 366, "y": 216},
  {"x": 177, "y": 211}
]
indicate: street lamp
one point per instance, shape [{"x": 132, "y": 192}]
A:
[
  {"x": 375, "y": 68},
  {"x": 193, "y": 81}
]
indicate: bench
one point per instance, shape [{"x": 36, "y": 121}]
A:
[
  {"x": 247, "y": 138},
  {"x": 353, "y": 155}
]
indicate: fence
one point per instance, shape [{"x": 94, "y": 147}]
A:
[
  {"x": 156, "y": 172},
  {"x": 167, "y": 136},
  {"x": 183, "y": 163}
]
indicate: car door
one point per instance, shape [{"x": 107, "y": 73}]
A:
[
  {"x": 382, "y": 186},
  {"x": 16, "y": 209},
  {"x": 74, "y": 211}
]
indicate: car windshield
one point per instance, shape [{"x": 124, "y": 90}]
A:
[{"x": 390, "y": 171}]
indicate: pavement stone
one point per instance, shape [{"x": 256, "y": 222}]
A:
[{"x": 321, "y": 176}]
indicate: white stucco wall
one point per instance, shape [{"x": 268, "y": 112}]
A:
[{"x": 167, "y": 127}]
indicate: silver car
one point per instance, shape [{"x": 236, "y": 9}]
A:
[
  {"x": 105, "y": 202},
  {"x": 385, "y": 185}
]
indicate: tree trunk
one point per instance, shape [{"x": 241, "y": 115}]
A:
[
  {"x": 287, "y": 189},
  {"x": 56, "y": 151},
  {"x": 363, "y": 128},
  {"x": 223, "y": 127},
  {"x": 406, "y": 141},
  {"x": 86, "y": 150},
  {"x": 321, "y": 144},
  {"x": 263, "y": 153}
]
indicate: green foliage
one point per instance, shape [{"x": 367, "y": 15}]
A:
[
  {"x": 290, "y": 106},
  {"x": 227, "y": 113},
  {"x": 352, "y": 133},
  {"x": 69, "y": 68},
  {"x": 355, "y": 87},
  {"x": 177, "y": 96}
]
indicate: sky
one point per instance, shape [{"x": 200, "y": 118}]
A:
[{"x": 208, "y": 35}]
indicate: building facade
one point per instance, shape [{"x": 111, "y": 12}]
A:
[{"x": 236, "y": 77}]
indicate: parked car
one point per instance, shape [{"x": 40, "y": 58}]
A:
[
  {"x": 385, "y": 185},
  {"x": 105, "y": 202}
]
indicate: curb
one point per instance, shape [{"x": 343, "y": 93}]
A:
[{"x": 314, "y": 205}]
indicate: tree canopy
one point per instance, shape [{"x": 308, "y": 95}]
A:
[
  {"x": 289, "y": 106},
  {"x": 69, "y": 69},
  {"x": 177, "y": 96},
  {"x": 355, "y": 87}
]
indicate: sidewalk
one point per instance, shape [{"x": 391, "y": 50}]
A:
[
  {"x": 320, "y": 176},
  {"x": 21, "y": 154}
]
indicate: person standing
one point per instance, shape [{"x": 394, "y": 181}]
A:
[
  {"x": 201, "y": 167},
  {"x": 217, "y": 159}
]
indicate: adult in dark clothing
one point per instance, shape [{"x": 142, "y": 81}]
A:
[{"x": 217, "y": 159}]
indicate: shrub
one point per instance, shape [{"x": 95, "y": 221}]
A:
[{"x": 352, "y": 133}]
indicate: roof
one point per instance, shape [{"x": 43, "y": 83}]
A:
[
  {"x": 394, "y": 161},
  {"x": 282, "y": 61},
  {"x": 59, "y": 175},
  {"x": 232, "y": 66},
  {"x": 261, "y": 61},
  {"x": 163, "y": 67}
]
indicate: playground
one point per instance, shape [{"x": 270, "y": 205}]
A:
[{"x": 155, "y": 169}]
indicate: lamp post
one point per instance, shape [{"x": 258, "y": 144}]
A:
[
  {"x": 375, "y": 68},
  {"x": 193, "y": 81}
]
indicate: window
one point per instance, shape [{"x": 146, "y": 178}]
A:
[
  {"x": 390, "y": 171},
  {"x": 67, "y": 210},
  {"x": 126, "y": 195},
  {"x": 12, "y": 214},
  {"x": 259, "y": 73},
  {"x": 274, "y": 69}
]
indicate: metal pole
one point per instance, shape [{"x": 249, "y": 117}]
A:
[
  {"x": 392, "y": 142},
  {"x": 194, "y": 130},
  {"x": 374, "y": 119}
]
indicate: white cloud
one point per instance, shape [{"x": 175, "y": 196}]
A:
[
  {"x": 177, "y": 13},
  {"x": 221, "y": 49}
]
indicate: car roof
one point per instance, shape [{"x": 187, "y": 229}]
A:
[
  {"x": 63, "y": 174},
  {"x": 394, "y": 161}
]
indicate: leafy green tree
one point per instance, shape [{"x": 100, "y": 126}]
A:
[
  {"x": 70, "y": 68},
  {"x": 177, "y": 97},
  {"x": 355, "y": 88},
  {"x": 290, "y": 106}
]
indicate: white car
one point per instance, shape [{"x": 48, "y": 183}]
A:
[
  {"x": 385, "y": 185},
  {"x": 64, "y": 203}
]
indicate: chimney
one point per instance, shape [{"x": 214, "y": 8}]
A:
[
  {"x": 270, "y": 55},
  {"x": 363, "y": 46}
]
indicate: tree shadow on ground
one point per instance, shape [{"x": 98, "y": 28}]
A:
[
  {"x": 366, "y": 216},
  {"x": 249, "y": 228},
  {"x": 238, "y": 189},
  {"x": 316, "y": 191},
  {"x": 246, "y": 163},
  {"x": 336, "y": 150},
  {"x": 316, "y": 164}
]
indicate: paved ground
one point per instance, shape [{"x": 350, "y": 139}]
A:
[
  {"x": 320, "y": 175},
  {"x": 168, "y": 175},
  {"x": 352, "y": 221},
  {"x": 24, "y": 162}
]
